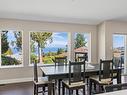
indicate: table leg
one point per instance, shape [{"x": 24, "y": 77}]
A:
[
  {"x": 50, "y": 87},
  {"x": 90, "y": 86}
]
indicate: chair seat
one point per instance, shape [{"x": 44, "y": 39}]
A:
[
  {"x": 75, "y": 84},
  {"x": 106, "y": 81},
  {"x": 42, "y": 81}
]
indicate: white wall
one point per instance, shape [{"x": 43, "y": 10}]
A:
[
  {"x": 101, "y": 41},
  {"x": 26, "y": 26},
  {"x": 110, "y": 27}
]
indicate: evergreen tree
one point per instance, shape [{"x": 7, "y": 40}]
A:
[
  {"x": 4, "y": 42},
  {"x": 80, "y": 41},
  {"x": 18, "y": 36}
]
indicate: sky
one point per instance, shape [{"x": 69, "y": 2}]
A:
[
  {"x": 10, "y": 38},
  {"x": 60, "y": 40},
  {"x": 118, "y": 41}
]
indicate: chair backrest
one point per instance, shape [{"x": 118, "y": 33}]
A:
[
  {"x": 110, "y": 88},
  {"x": 117, "y": 61},
  {"x": 106, "y": 69},
  {"x": 76, "y": 72},
  {"x": 60, "y": 60},
  {"x": 35, "y": 71},
  {"x": 81, "y": 56}
]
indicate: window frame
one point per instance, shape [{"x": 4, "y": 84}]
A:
[
  {"x": 89, "y": 44},
  {"x": 12, "y": 66},
  {"x": 39, "y": 64}
]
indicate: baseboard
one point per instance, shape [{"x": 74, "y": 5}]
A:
[{"x": 17, "y": 80}]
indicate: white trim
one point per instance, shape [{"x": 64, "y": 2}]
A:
[{"x": 17, "y": 80}]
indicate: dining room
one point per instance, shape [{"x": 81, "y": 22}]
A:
[{"x": 60, "y": 50}]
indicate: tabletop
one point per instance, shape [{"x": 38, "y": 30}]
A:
[{"x": 64, "y": 69}]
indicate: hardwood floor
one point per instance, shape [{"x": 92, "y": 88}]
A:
[
  {"x": 17, "y": 89},
  {"x": 27, "y": 88}
]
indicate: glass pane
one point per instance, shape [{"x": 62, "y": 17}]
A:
[
  {"x": 81, "y": 46},
  {"x": 45, "y": 46},
  {"x": 118, "y": 48},
  {"x": 11, "y": 48}
]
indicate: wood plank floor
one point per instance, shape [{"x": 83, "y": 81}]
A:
[{"x": 27, "y": 88}]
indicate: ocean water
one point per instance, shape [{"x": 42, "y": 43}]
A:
[{"x": 46, "y": 50}]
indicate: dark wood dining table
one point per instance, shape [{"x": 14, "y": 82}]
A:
[{"x": 62, "y": 72}]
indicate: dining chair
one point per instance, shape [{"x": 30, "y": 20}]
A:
[
  {"x": 76, "y": 78},
  {"x": 105, "y": 75},
  {"x": 117, "y": 61},
  {"x": 58, "y": 62},
  {"x": 115, "y": 87},
  {"x": 80, "y": 56},
  {"x": 41, "y": 83}
]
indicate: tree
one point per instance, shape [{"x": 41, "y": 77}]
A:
[
  {"x": 18, "y": 36},
  {"x": 41, "y": 39},
  {"x": 32, "y": 46},
  {"x": 80, "y": 41},
  {"x": 4, "y": 42},
  {"x": 60, "y": 50}
]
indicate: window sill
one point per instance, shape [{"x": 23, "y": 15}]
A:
[{"x": 12, "y": 66}]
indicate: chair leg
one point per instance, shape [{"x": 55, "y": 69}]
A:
[
  {"x": 94, "y": 86},
  {"x": 69, "y": 92},
  {"x": 34, "y": 89},
  {"x": 43, "y": 90},
  {"x": 90, "y": 87},
  {"x": 63, "y": 90},
  {"x": 76, "y": 91},
  {"x": 59, "y": 86},
  {"x": 53, "y": 89},
  {"x": 84, "y": 92}
]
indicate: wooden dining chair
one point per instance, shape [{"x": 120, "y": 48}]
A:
[
  {"x": 115, "y": 87},
  {"x": 58, "y": 62},
  {"x": 105, "y": 75},
  {"x": 81, "y": 56},
  {"x": 117, "y": 61},
  {"x": 76, "y": 78},
  {"x": 41, "y": 83}
]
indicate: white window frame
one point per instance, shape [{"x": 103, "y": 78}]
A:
[
  {"x": 11, "y": 66},
  {"x": 89, "y": 44},
  {"x": 39, "y": 64}
]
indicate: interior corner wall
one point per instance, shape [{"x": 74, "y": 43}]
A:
[
  {"x": 105, "y": 40},
  {"x": 101, "y": 41},
  {"x": 26, "y": 27},
  {"x": 113, "y": 27}
]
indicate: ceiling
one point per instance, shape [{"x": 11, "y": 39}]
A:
[{"x": 67, "y": 11}]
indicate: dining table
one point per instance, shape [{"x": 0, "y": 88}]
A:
[{"x": 62, "y": 71}]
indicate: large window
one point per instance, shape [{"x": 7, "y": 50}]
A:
[
  {"x": 119, "y": 48},
  {"x": 82, "y": 41},
  {"x": 45, "y": 46},
  {"x": 11, "y": 48}
]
